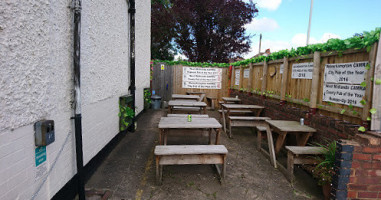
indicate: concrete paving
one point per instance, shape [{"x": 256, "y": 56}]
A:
[{"x": 129, "y": 171}]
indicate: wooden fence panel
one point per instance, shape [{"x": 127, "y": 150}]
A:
[
  {"x": 274, "y": 79},
  {"x": 257, "y": 76}
]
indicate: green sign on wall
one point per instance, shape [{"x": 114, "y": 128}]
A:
[{"x": 40, "y": 155}]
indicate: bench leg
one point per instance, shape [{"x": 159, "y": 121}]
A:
[
  {"x": 218, "y": 132},
  {"x": 259, "y": 139},
  {"x": 230, "y": 129},
  {"x": 157, "y": 170},
  {"x": 290, "y": 166},
  {"x": 224, "y": 168},
  {"x": 279, "y": 142}
]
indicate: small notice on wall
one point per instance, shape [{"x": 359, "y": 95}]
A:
[
  {"x": 237, "y": 76},
  {"x": 202, "y": 78},
  {"x": 281, "y": 69},
  {"x": 302, "y": 70},
  {"x": 246, "y": 73},
  {"x": 350, "y": 73},
  {"x": 343, "y": 94}
]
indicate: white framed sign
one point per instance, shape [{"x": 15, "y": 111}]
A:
[
  {"x": 237, "y": 76},
  {"x": 350, "y": 73},
  {"x": 281, "y": 69},
  {"x": 202, "y": 78},
  {"x": 246, "y": 73},
  {"x": 343, "y": 94},
  {"x": 302, "y": 70}
]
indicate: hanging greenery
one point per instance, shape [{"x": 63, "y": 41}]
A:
[{"x": 338, "y": 45}]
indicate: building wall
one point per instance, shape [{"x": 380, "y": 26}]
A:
[{"x": 36, "y": 82}]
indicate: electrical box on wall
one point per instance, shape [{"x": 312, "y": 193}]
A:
[{"x": 44, "y": 132}]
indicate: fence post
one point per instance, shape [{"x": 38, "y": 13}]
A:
[
  {"x": 369, "y": 84},
  {"x": 264, "y": 78},
  {"x": 240, "y": 77},
  {"x": 232, "y": 78},
  {"x": 283, "y": 87},
  {"x": 315, "y": 83},
  {"x": 249, "y": 84},
  {"x": 376, "y": 118}
]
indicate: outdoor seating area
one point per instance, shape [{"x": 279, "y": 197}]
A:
[{"x": 234, "y": 114}]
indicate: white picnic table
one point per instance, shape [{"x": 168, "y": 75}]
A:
[
  {"x": 167, "y": 123},
  {"x": 186, "y": 104}
]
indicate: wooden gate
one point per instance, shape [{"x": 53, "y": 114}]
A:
[{"x": 162, "y": 81}]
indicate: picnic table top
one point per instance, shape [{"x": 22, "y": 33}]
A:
[
  {"x": 182, "y": 122},
  {"x": 290, "y": 126},
  {"x": 186, "y": 103},
  {"x": 184, "y": 96},
  {"x": 230, "y": 99},
  {"x": 241, "y": 106}
]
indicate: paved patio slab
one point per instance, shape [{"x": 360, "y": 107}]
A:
[{"x": 129, "y": 171}]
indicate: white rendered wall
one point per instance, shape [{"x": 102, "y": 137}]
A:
[{"x": 36, "y": 83}]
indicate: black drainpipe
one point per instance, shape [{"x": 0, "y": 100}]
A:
[
  {"x": 132, "y": 87},
  {"x": 77, "y": 97}
]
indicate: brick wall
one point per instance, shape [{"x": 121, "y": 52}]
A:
[{"x": 365, "y": 177}]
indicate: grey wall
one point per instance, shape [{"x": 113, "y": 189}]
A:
[{"x": 36, "y": 83}]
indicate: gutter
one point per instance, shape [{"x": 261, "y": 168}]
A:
[
  {"x": 132, "y": 87},
  {"x": 77, "y": 98}
]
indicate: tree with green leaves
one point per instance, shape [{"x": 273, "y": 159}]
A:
[{"x": 162, "y": 30}]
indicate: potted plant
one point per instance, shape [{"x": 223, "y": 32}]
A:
[
  {"x": 324, "y": 171},
  {"x": 147, "y": 98}
]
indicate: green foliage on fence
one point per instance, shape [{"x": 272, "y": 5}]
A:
[{"x": 338, "y": 45}]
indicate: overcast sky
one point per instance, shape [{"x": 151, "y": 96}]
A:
[{"x": 284, "y": 23}]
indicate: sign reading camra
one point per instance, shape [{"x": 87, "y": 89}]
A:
[
  {"x": 246, "y": 73},
  {"x": 343, "y": 94},
  {"x": 302, "y": 70},
  {"x": 342, "y": 83},
  {"x": 202, "y": 78},
  {"x": 350, "y": 73},
  {"x": 237, "y": 76}
]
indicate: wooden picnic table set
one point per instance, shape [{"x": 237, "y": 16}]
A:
[{"x": 234, "y": 114}]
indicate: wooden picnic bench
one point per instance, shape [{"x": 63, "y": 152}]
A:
[
  {"x": 186, "y": 106},
  {"x": 180, "y": 123},
  {"x": 186, "y": 115},
  {"x": 185, "y": 97},
  {"x": 190, "y": 154},
  {"x": 300, "y": 155}
]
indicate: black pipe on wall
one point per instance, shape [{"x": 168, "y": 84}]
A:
[
  {"x": 77, "y": 100},
  {"x": 132, "y": 87}
]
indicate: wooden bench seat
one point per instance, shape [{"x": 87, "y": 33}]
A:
[
  {"x": 189, "y": 154},
  {"x": 185, "y": 109},
  {"x": 186, "y": 115},
  {"x": 300, "y": 155}
]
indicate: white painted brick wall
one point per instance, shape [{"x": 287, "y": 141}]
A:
[{"x": 36, "y": 83}]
